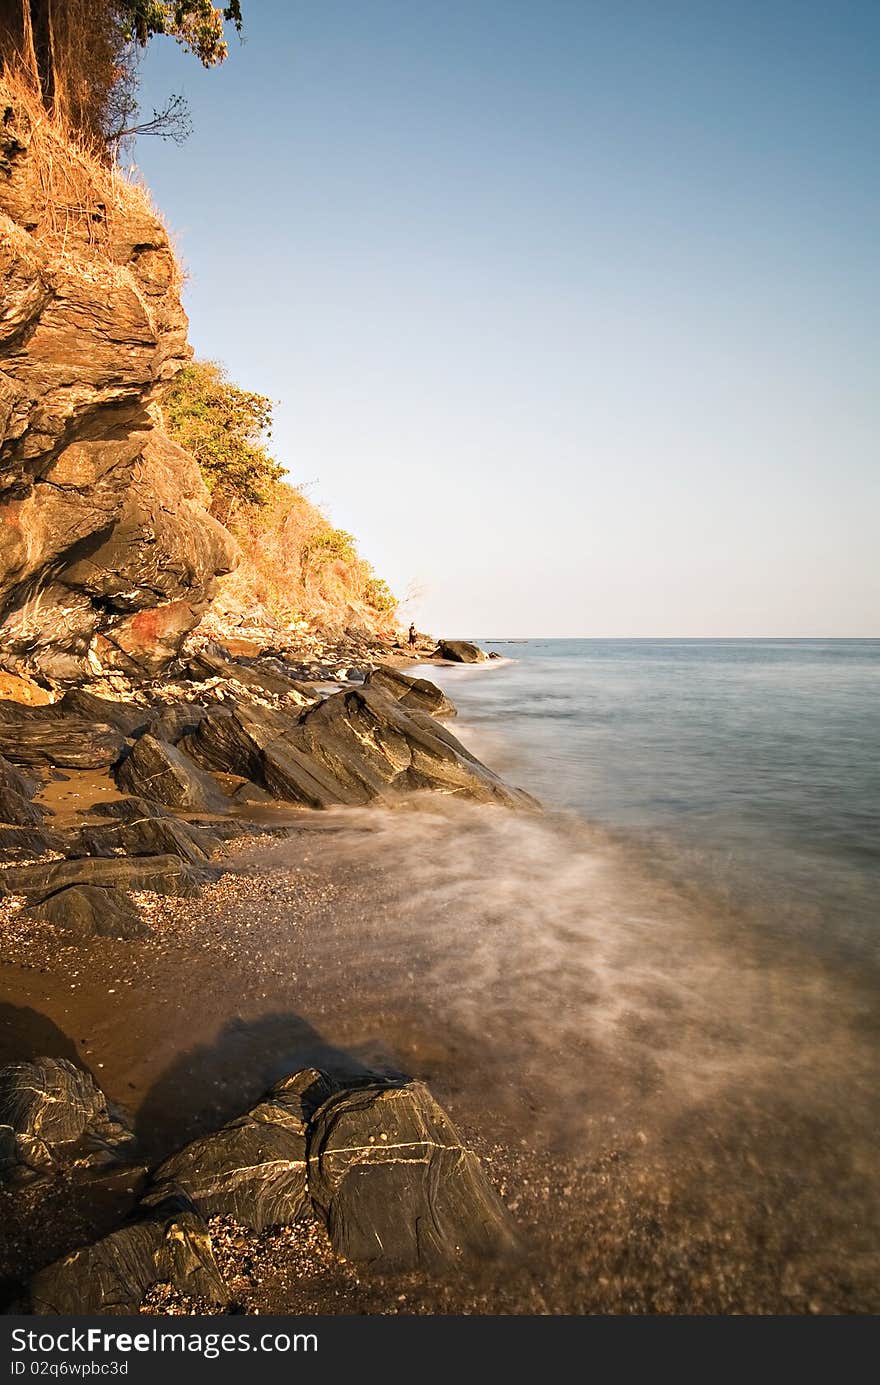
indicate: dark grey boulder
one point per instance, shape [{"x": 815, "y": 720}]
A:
[
  {"x": 68, "y": 742},
  {"x": 88, "y": 911},
  {"x": 461, "y": 652},
  {"x": 397, "y": 1188},
  {"x": 130, "y": 809},
  {"x": 416, "y": 694},
  {"x": 16, "y": 792},
  {"x": 160, "y": 874},
  {"x": 175, "y": 720},
  {"x": 26, "y": 843},
  {"x": 231, "y": 739},
  {"x": 54, "y": 1117},
  {"x": 254, "y": 1169},
  {"x": 153, "y": 769},
  {"x": 115, "y": 1274},
  {"x": 148, "y": 836},
  {"x": 125, "y": 717}
]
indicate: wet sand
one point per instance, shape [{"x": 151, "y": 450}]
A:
[{"x": 680, "y": 1113}]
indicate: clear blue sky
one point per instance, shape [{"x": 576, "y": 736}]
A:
[{"x": 571, "y": 308}]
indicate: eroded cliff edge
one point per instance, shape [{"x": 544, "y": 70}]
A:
[{"x": 108, "y": 556}]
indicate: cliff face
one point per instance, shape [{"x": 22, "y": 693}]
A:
[{"x": 108, "y": 556}]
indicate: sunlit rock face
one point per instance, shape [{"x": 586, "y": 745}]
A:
[{"x": 108, "y": 556}]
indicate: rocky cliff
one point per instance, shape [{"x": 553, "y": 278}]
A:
[{"x": 108, "y": 556}]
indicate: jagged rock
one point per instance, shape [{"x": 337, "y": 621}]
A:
[
  {"x": 159, "y": 771},
  {"x": 108, "y": 556},
  {"x": 161, "y": 874},
  {"x": 27, "y": 738},
  {"x": 115, "y": 1274},
  {"x": 254, "y": 1169},
  {"x": 129, "y": 809},
  {"x": 125, "y": 717},
  {"x": 176, "y": 721},
  {"x": 53, "y": 1116},
  {"x": 16, "y": 791},
  {"x": 26, "y": 843},
  {"x": 147, "y": 836},
  {"x": 354, "y": 746},
  {"x": 90, "y": 911},
  {"x": 416, "y": 694},
  {"x": 461, "y": 652},
  {"x": 396, "y": 1186},
  {"x": 210, "y": 663}
]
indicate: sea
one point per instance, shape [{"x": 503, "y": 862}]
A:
[{"x": 750, "y": 768}]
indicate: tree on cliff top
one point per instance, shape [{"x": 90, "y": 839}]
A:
[
  {"x": 81, "y": 55},
  {"x": 224, "y": 427}
]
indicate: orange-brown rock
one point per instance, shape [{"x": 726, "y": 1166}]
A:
[{"x": 108, "y": 556}]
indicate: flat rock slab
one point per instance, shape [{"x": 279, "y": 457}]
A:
[
  {"x": 254, "y": 1168},
  {"x": 126, "y": 717},
  {"x": 26, "y": 843},
  {"x": 67, "y": 742},
  {"x": 461, "y": 652},
  {"x": 417, "y": 694},
  {"x": 89, "y": 911},
  {"x": 115, "y": 1274},
  {"x": 148, "y": 836},
  {"x": 160, "y": 874},
  {"x": 396, "y": 1186},
  {"x": 159, "y": 771},
  {"x": 54, "y": 1116}
]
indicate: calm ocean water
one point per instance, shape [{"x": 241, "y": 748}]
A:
[{"x": 751, "y": 767}]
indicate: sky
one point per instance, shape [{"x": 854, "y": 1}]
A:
[{"x": 569, "y": 307}]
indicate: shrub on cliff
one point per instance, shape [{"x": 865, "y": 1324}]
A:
[
  {"x": 296, "y": 566},
  {"x": 224, "y": 428}
]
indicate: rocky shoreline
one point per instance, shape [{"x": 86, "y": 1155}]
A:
[{"x": 110, "y": 804}]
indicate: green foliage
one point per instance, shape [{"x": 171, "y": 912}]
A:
[
  {"x": 224, "y": 427},
  {"x": 327, "y": 546},
  {"x": 379, "y": 595},
  {"x": 196, "y": 24}
]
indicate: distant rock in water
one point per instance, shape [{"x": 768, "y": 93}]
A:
[
  {"x": 461, "y": 652},
  {"x": 108, "y": 556}
]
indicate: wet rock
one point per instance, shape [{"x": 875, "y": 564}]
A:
[
  {"x": 461, "y": 652},
  {"x": 26, "y": 843},
  {"x": 416, "y": 694},
  {"x": 66, "y": 741},
  {"x": 254, "y": 1169},
  {"x": 90, "y": 911},
  {"x": 396, "y": 1186},
  {"x": 115, "y": 1274},
  {"x": 161, "y": 874},
  {"x": 148, "y": 836},
  {"x": 16, "y": 791},
  {"x": 53, "y": 1116},
  {"x": 162, "y": 772},
  {"x": 355, "y": 746}
]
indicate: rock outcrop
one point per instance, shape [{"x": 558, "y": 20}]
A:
[
  {"x": 460, "y": 652},
  {"x": 380, "y": 1162},
  {"x": 108, "y": 556}
]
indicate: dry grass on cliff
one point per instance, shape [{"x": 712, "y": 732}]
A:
[
  {"x": 298, "y": 570},
  {"x": 74, "y": 196}
]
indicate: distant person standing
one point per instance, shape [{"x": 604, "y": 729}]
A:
[{"x": 412, "y": 636}]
